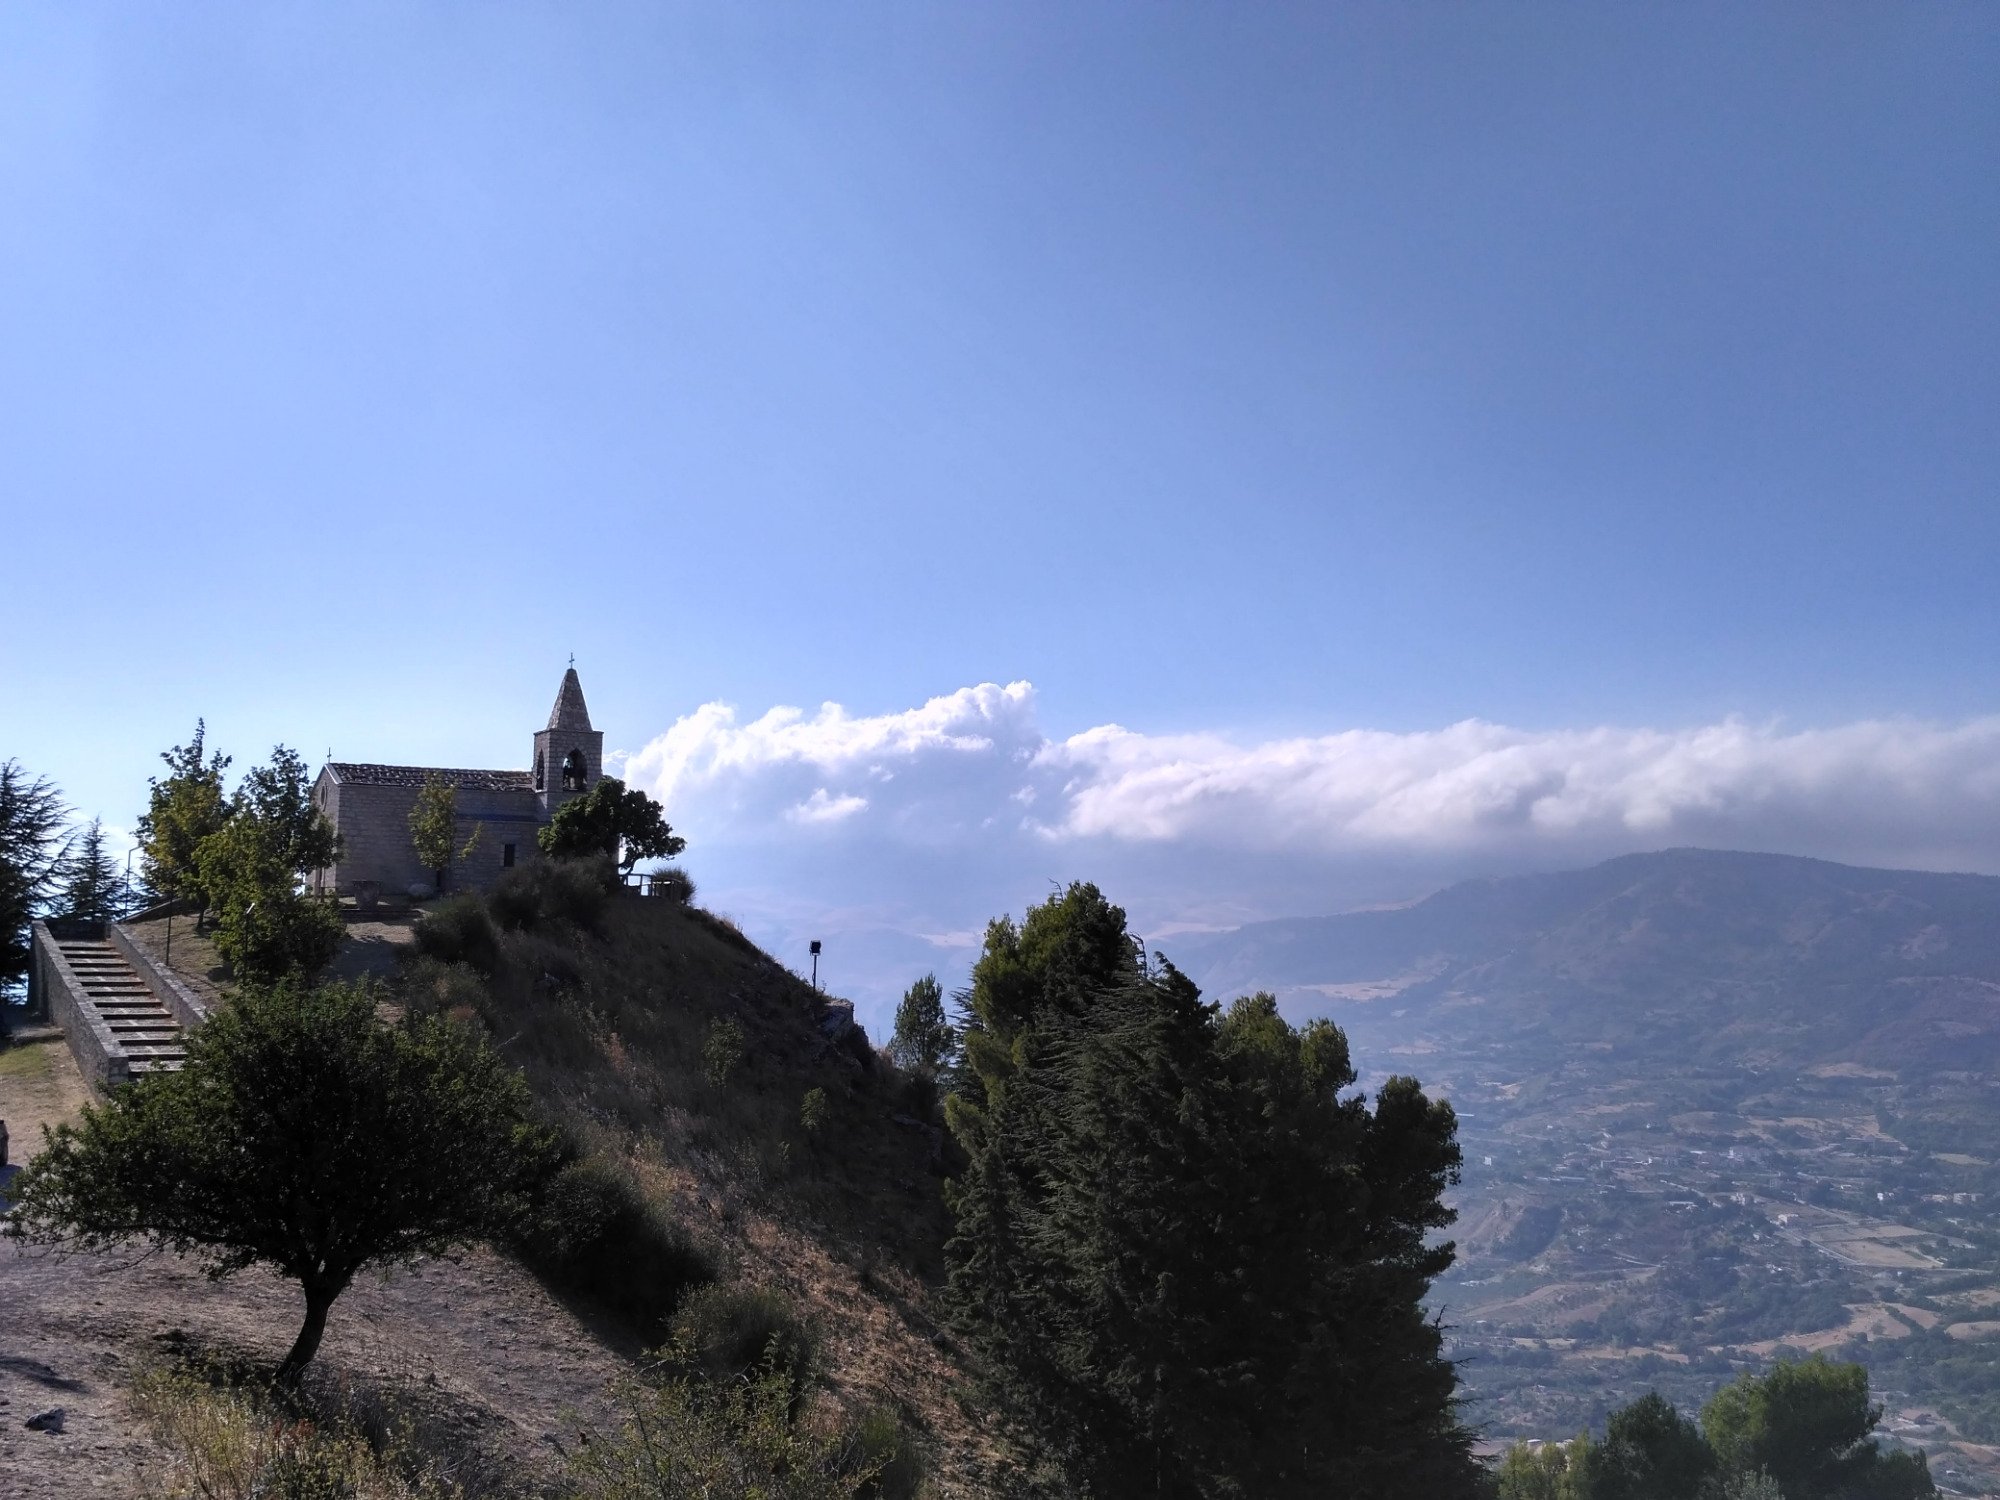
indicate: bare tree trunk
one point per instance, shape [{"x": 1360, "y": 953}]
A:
[{"x": 307, "y": 1343}]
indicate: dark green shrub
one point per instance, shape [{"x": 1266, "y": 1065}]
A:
[
  {"x": 721, "y": 1051},
  {"x": 575, "y": 891},
  {"x": 270, "y": 935},
  {"x": 814, "y": 1112},
  {"x": 512, "y": 899},
  {"x": 309, "y": 1473},
  {"x": 877, "y": 1440},
  {"x": 459, "y": 931},
  {"x": 593, "y": 1233},
  {"x": 674, "y": 884},
  {"x": 547, "y": 892},
  {"x": 729, "y": 1332},
  {"x": 854, "y": 1042},
  {"x": 432, "y": 987},
  {"x": 919, "y": 1094},
  {"x": 546, "y": 961},
  {"x": 679, "y": 1436}
]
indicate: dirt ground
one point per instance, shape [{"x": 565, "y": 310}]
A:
[{"x": 473, "y": 1343}]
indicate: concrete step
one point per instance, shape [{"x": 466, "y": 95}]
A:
[{"x": 145, "y": 1031}]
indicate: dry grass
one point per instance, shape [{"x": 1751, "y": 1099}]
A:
[
  {"x": 614, "y": 1031},
  {"x": 228, "y": 1442},
  {"x": 195, "y": 960},
  {"x": 25, "y": 1062}
]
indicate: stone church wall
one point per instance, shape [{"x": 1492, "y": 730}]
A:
[
  {"x": 376, "y": 846},
  {"x": 502, "y": 818}
]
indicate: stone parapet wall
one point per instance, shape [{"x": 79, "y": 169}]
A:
[
  {"x": 63, "y": 999},
  {"x": 179, "y": 1001}
]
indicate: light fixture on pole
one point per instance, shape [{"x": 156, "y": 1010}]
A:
[{"x": 815, "y": 957}]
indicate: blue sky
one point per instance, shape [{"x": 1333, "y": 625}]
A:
[{"x": 1246, "y": 377}]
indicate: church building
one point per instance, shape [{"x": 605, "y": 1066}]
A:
[{"x": 369, "y": 806}]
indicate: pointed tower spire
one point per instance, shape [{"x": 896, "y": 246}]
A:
[
  {"x": 570, "y": 712},
  {"x": 569, "y": 754}
]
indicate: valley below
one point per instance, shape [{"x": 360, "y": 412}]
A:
[
  {"x": 1622, "y": 1234},
  {"x": 1715, "y": 1110}
]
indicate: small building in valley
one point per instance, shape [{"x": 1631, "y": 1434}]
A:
[{"x": 369, "y": 806}]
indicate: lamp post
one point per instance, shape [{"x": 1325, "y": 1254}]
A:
[{"x": 815, "y": 958}]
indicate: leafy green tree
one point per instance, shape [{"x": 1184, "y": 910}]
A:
[
  {"x": 607, "y": 816},
  {"x": 32, "y": 816},
  {"x": 1190, "y": 1264},
  {"x": 1808, "y": 1424},
  {"x": 434, "y": 828},
  {"x": 303, "y": 1134},
  {"x": 1554, "y": 1471},
  {"x": 279, "y": 797},
  {"x": 924, "y": 1040},
  {"x": 252, "y": 869},
  {"x": 1651, "y": 1452},
  {"x": 89, "y": 885},
  {"x": 182, "y": 812},
  {"x": 265, "y": 927}
]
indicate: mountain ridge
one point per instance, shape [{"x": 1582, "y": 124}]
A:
[{"x": 1800, "y": 960}]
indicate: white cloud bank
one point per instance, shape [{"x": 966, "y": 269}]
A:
[
  {"x": 975, "y": 764},
  {"x": 896, "y": 836}
]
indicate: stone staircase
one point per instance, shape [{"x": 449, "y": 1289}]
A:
[{"x": 149, "y": 1037}]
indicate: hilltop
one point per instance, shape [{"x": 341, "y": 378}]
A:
[{"x": 679, "y": 1058}]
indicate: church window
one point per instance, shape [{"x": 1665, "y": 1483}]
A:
[
  {"x": 507, "y": 856},
  {"x": 574, "y": 771},
  {"x": 538, "y": 770}
]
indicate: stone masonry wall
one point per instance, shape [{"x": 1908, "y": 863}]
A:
[
  {"x": 175, "y": 998},
  {"x": 375, "y": 837},
  {"x": 96, "y": 1050}
]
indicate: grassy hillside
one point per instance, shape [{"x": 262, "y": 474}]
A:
[{"x": 770, "y": 1146}]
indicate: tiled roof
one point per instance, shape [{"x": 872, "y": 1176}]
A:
[
  {"x": 358, "y": 773},
  {"x": 569, "y": 712}
]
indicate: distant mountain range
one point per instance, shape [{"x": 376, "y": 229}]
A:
[{"x": 1743, "y": 958}]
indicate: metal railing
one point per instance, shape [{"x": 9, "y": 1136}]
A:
[{"x": 651, "y": 883}]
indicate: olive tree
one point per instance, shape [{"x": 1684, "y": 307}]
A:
[{"x": 303, "y": 1134}]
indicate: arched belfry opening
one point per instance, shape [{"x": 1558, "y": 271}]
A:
[
  {"x": 576, "y": 771},
  {"x": 540, "y": 783}
]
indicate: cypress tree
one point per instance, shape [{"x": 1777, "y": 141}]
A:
[
  {"x": 1188, "y": 1263},
  {"x": 90, "y": 886}
]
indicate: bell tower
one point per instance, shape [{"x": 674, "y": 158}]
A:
[{"x": 569, "y": 754}]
